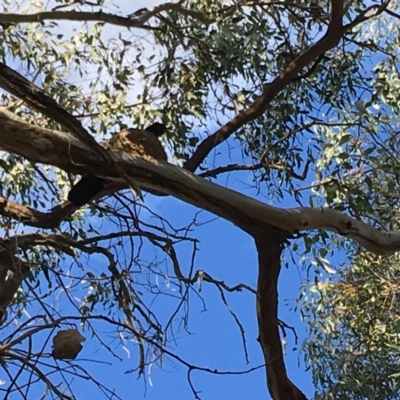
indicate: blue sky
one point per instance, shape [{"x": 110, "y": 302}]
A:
[
  {"x": 229, "y": 254},
  {"x": 214, "y": 340}
]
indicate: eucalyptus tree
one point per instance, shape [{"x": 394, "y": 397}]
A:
[{"x": 299, "y": 96}]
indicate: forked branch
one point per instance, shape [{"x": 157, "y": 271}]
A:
[{"x": 258, "y": 107}]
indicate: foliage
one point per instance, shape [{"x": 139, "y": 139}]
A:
[
  {"x": 354, "y": 326},
  {"x": 329, "y": 138}
]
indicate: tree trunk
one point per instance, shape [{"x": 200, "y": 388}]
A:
[{"x": 269, "y": 245}]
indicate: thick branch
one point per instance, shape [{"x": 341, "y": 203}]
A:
[
  {"x": 259, "y": 106},
  {"x": 48, "y": 220},
  {"x": 32, "y": 217},
  {"x": 36, "y": 98},
  {"x": 64, "y": 151}
]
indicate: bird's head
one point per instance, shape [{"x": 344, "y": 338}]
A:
[{"x": 156, "y": 129}]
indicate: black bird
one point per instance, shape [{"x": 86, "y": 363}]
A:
[
  {"x": 90, "y": 185},
  {"x": 83, "y": 191},
  {"x": 156, "y": 129}
]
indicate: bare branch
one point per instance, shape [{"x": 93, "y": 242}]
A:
[
  {"x": 368, "y": 13},
  {"x": 230, "y": 168},
  {"x": 99, "y": 16},
  {"x": 138, "y": 19}
]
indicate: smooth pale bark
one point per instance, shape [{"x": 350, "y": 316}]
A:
[{"x": 62, "y": 150}]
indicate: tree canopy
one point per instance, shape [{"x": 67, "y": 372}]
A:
[{"x": 282, "y": 118}]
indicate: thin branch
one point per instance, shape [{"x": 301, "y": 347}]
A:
[
  {"x": 86, "y": 16},
  {"x": 368, "y": 13},
  {"x": 28, "y": 365},
  {"x": 230, "y": 168},
  {"x": 392, "y": 13}
]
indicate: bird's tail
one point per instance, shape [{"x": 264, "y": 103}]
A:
[{"x": 84, "y": 191}]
